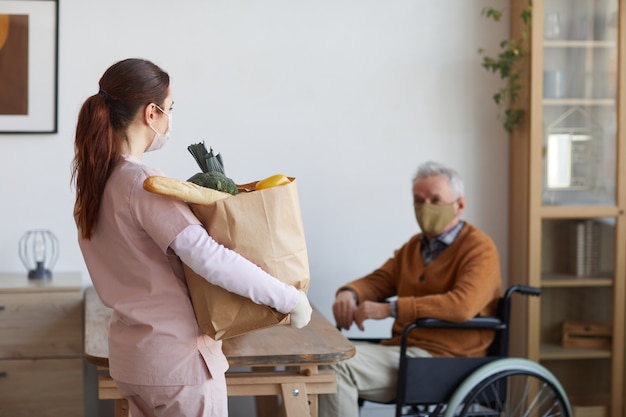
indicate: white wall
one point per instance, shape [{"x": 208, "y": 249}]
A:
[{"x": 349, "y": 96}]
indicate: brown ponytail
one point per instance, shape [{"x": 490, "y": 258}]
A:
[{"x": 125, "y": 88}]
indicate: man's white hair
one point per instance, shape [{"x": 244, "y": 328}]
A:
[{"x": 431, "y": 168}]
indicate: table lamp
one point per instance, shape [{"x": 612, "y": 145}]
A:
[{"x": 39, "y": 250}]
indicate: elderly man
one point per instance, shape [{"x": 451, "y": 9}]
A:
[{"x": 449, "y": 271}]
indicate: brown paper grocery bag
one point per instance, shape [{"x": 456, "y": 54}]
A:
[{"x": 265, "y": 226}]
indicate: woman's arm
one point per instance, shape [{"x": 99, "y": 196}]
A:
[{"x": 231, "y": 271}]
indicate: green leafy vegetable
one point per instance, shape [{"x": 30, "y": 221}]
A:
[
  {"x": 213, "y": 174},
  {"x": 215, "y": 180}
]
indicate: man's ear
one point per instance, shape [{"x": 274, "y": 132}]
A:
[{"x": 461, "y": 205}]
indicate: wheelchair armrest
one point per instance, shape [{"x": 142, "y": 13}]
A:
[
  {"x": 477, "y": 323},
  {"x": 492, "y": 323},
  {"x": 374, "y": 340}
]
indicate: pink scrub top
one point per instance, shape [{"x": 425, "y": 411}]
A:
[{"x": 154, "y": 338}]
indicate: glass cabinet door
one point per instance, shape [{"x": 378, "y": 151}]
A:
[
  {"x": 568, "y": 198},
  {"x": 579, "y": 102}
]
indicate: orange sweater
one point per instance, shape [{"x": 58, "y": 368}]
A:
[{"x": 464, "y": 281}]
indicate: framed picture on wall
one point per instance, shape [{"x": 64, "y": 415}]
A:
[{"x": 29, "y": 33}]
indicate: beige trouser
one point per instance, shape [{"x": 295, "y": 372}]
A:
[{"x": 370, "y": 374}]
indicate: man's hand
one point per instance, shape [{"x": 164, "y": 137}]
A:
[
  {"x": 344, "y": 308},
  {"x": 371, "y": 310}
]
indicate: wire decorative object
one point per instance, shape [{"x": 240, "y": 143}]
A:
[{"x": 39, "y": 251}]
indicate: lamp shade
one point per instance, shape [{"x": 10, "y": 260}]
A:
[{"x": 39, "y": 250}]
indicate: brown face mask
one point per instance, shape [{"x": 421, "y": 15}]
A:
[{"x": 433, "y": 218}]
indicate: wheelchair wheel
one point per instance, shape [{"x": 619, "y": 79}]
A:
[{"x": 510, "y": 388}]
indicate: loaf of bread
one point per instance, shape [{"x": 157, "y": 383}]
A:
[{"x": 183, "y": 190}]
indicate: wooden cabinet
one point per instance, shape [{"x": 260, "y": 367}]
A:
[
  {"x": 41, "y": 346},
  {"x": 567, "y": 230}
]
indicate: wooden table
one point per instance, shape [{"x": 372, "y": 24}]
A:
[{"x": 282, "y": 362}]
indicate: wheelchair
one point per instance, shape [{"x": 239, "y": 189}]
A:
[{"x": 491, "y": 386}]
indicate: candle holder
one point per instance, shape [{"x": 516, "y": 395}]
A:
[{"x": 39, "y": 250}]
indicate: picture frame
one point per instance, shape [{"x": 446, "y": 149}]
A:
[{"x": 29, "y": 39}]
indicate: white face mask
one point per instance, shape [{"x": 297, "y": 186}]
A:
[{"x": 160, "y": 138}]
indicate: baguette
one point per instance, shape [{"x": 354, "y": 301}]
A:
[{"x": 183, "y": 190}]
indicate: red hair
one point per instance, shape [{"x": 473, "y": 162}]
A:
[{"x": 125, "y": 88}]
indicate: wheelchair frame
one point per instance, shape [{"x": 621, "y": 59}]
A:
[{"x": 478, "y": 386}]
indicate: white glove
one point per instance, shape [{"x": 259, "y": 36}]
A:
[{"x": 301, "y": 313}]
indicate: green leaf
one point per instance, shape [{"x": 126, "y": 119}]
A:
[
  {"x": 527, "y": 15},
  {"x": 504, "y": 64},
  {"x": 492, "y": 13}
]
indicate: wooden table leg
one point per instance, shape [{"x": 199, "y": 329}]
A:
[
  {"x": 267, "y": 406},
  {"x": 313, "y": 404},
  {"x": 295, "y": 400},
  {"x": 313, "y": 398}
]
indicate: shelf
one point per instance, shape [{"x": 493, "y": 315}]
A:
[
  {"x": 557, "y": 352},
  {"x": 565, "y": 280},
  {"x": 607, "y": 102},
  {"x": 590, "y": 399},
  {"x": 579, "y": 44},
  {"x": 578, "y": 212}
]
